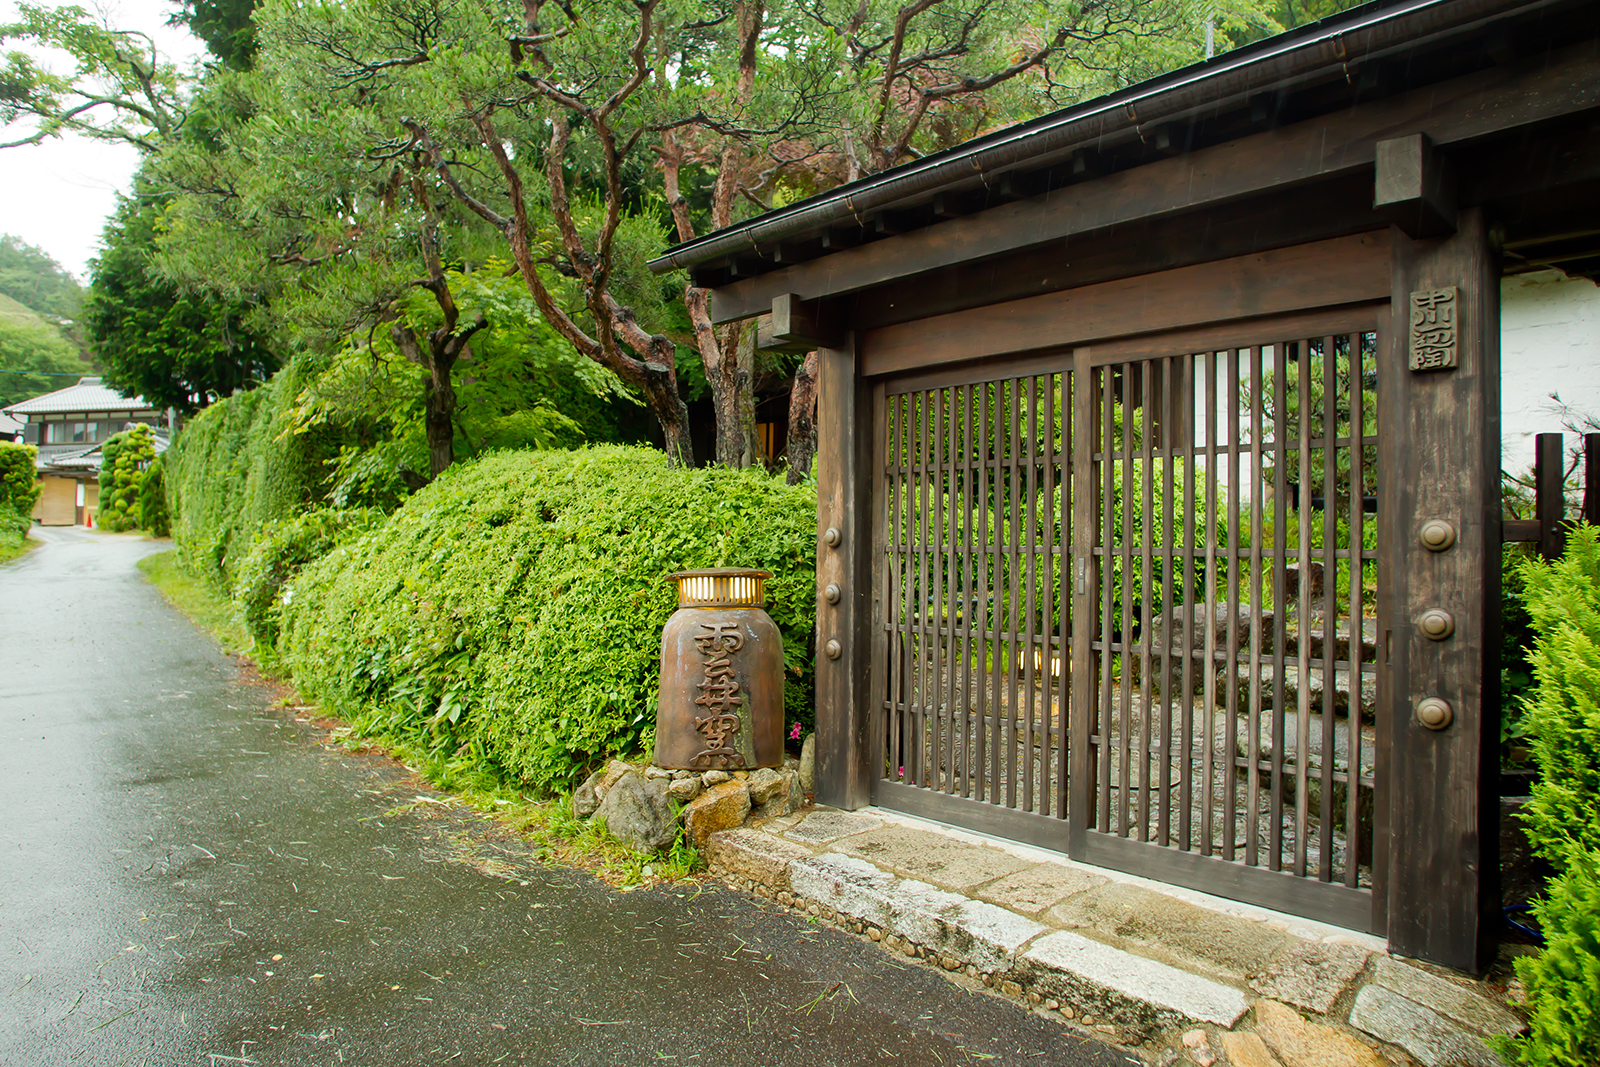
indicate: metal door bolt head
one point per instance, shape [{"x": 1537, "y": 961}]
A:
[
  {"x": 832, "y": 593},
  {"x": 833, "y": 649},
  {"x": 832, "y": 537},
  {"x": 1437, "y": 625},
  {"x": 1435, "y": 713},
  {"x": 1437, "y": 535}
]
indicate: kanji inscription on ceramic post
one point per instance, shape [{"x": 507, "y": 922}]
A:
[{"x": 719, "y": 696}]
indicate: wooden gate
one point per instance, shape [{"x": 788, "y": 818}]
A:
[{"x": 1129, "y": 605}]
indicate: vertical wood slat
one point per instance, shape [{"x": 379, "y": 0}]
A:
[
  {"x": 1085, "y": 579},
  {"x": 895, "y": 591},
  {"x": 1048, "y": 601},
  {"x": 1257, "y": 595},
  {"x": 1067, "y": 614},
  {"x": 1549, "y": 493},
  {"x": 1170, "y": 583},
  {"x": 969, "y": 601},
  {"x": 985, "y": 614},
  {"x": 1013, "y": 587},
  {"x": 1330, "y": 612},
  {"x": 1357, "y": 525},
  {"x": 1183, "y": 423},
  {"x": 933, "y": 598},
  {"x": 1149, "y": 429},
  {"x": 1029, "y": 568},
  {"x": 1280, "y": 620},
  {"x": 1106, "y": 508},
  {"x": 1303, "y": 611},
  {"x": 1124, "y": 660},
  {"x": 1230, "y": 739},
  {"x": 1209, "y": 602}
]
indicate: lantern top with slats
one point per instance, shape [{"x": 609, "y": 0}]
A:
[{"x": 722, "y": 587}]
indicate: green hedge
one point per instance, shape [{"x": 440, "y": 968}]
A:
[
  {"x": 153, "y": 514},
  {"x": 234, "y": 468},
  {"x": 1562, "y": 721},
  {"x": 124, "y": 459},
  {"x": 509, "y": 615},
  {"x": 19, "y": 481},
  {"x": 281, "y": 550}
]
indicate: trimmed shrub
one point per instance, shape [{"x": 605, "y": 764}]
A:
[
  {"x": 236, "y": 467},
  {"x": 1563, "y": 981},
  {"x": 153, "y": 514},
  {"x": 1562, "y": 719},
  {"x": 19, "y": 481},
  {"x": 509, "y": 615},
  {"x": 124, "y": 459},
  {"x": 281, "y": 550}
]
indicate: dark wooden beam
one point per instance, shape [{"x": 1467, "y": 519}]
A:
[
  {"x": 1414, "y": 187},
  {"x": 1440, "y": 457},
  {"x": 1344, "y": 207},
  {"x": 1549, "y": 493},
  {"x": 835, "y": 239},
  {"x": 1347, "y": 270},
  {"x": 1467, "y": 108},
  {"x": 805, "y": 323}
]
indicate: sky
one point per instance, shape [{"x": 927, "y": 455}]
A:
[{"x": 58, "y": 195}]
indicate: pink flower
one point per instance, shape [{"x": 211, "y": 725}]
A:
[{"x": 794, "y": 732}]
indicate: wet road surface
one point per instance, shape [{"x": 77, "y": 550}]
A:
[{"x": 190, "y": 877}]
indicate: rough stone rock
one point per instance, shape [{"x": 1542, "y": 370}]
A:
[
  {"x": 681, "y": 773},
  {"x": 684, "y": 790},
  {"x": 584, "y": 800},
  {"x": 1188, "y": 626},
  {"x": 711, "y": 778},
  {"x": 764, "y": 784},
  {"x": 1298, "y": 1043},
  {"x": 722, "y": 807},
  {"x": 653, "y": 771},
  {"x": 1247, "y": 1050},
  {"x": 1312, "y": 976},
  {"x": 1032, "y": 890},
  {"x": 787, "y": 799},
  {"x": 760, "y": 857},
  {"x": 1291, "y": 581},
  {"x": 1431, "y": 1038},
  {"x": 614, "y": 770},
  {"x": 638, "y": 814},
  {"x": 1463, "y": 1006},
  {"x": 808, "y": 764}
]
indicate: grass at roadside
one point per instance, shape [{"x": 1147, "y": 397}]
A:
[
  {"x": 10, "y": 550},
  {"x": 547, "y": 823},
  {"x": 197, "y": 600}
]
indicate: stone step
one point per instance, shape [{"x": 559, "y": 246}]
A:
[{"x": 1316, "y": 683}]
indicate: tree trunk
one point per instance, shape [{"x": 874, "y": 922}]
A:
[
  {"x": 439, "y": 410},
  {"x": 734, "y": 402},
  {"x": 661, "y": 394},
  {"x": 803, "y": 420}
]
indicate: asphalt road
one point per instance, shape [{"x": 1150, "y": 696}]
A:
[{"x": 191, "y": 877}]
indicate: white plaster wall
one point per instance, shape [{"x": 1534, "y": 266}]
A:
[{"x": 1549, "y": 343}]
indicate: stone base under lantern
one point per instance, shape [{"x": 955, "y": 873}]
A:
[{"x": 643, "y": 804}]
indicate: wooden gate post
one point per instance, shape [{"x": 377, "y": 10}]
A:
[
  {"x": 1439, "y": 404},
  {"x": 845, "y": 460}
]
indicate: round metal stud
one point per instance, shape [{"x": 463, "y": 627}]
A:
[
  {"x": 1437, "y": 535},
  {"x": 832, "y": 537},
  {"x": 1437, "y": 625},
  {"x": 832, "y": 593},
  {"x": 834, "y": 649},
  {"x": 1435, "y": 713}
]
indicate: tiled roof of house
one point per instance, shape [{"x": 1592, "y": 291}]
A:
[
  {"x": 9, "y": 427},
  {"x": 88, "y": 395}
]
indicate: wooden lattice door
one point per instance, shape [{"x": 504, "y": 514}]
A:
[{"x": 1131, "y": 608}]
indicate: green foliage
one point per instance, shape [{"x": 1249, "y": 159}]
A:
[
  {"x": 281, "y": 550},
  {"x": 154, "y": 517},
  {"x": 13, "y": 532},
  {"x": 30, "y": 277},
  {"x": 172, "y": 347},
  {"x": 124, "y": 459},
  {"x": 19, "y": 481},
  {"x": 1563, "y": 981},
  {"x": 1563, "y": 717},
  {"x": 35, "y": 356},
  {"x": 233, "y": 469},
  {"x": 510, "y": 613}
]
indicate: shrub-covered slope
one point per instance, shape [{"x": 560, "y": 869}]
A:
[{"x": 510, "y": 613}]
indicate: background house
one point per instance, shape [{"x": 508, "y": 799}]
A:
[{"x": 69, "y": 426}]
